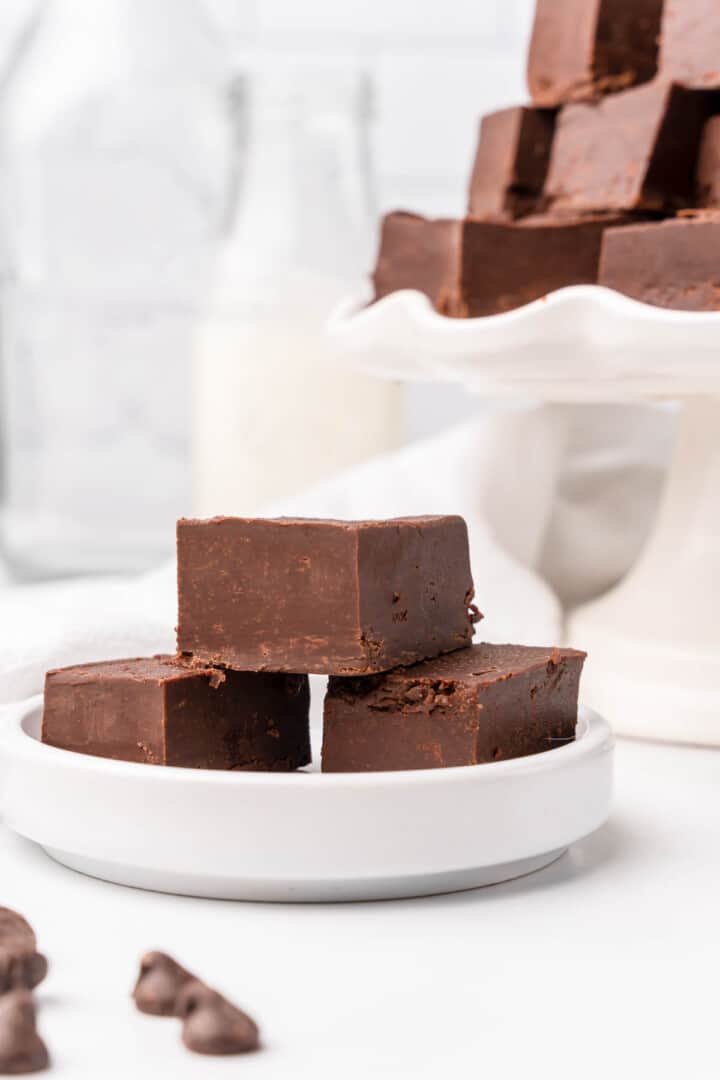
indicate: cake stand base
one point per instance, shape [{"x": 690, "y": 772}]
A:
[{"x": 654, "y": 640}]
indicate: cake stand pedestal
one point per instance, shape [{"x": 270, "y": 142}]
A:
[{"x": 653, "y": 640}]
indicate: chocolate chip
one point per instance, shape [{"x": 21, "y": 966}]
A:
[
  {"x": 21, "y": 1048},
  {"x": 211, "y": 1025},
  {"x": 16, "y": 931},
  {"x": 21, "y": 970},
  {"x": 159, "y": 984},
  {"x": 21, "y": 965}
]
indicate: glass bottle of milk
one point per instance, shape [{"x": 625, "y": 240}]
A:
[
  {"x": 117, "y": 166},
  {"x": 275, "y": 411}
]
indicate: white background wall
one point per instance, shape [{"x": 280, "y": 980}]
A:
[{"x": 437, "y": 65}]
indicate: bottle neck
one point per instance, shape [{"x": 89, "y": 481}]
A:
[
  {"x": 304, "y": 209},
  {"x": 301, "y": 90}
]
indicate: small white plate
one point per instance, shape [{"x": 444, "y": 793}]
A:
[{"x": 304, "y": 836}]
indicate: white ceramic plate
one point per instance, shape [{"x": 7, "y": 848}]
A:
[
  {"x": 583, "y": 343},
  {"x": 304, "y": 836}
]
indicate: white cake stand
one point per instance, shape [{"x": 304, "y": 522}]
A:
[{"x": 654, "y": 640}]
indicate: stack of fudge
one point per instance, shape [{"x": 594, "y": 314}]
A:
[
  {"x": 611, "y": 176},
  {"x": 385, "y": 608}
]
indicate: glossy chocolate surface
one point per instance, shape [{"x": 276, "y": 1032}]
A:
[{"x": 330, "y": 597}]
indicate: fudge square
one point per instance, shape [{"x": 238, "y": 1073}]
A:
[
  {"x": 633, "y": 151},
  {"x": 486, "y": 703},
  {"x": 416, "y": 253},
  {"x": 330, "y": 597},
  {"x": 581, "y": 49},
  {"x": 690, "y": 43},
  {"x": 157, "y": 711},
  {"x": 511, "y": 163},
  {"x": 505, "y": 265},
  {"x": 671, "y": 264},
  {"x": 707, "y": 180},
  {"x": 494, "y": 266}
]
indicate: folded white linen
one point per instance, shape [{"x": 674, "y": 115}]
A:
[{"x": 69, "y": 622}]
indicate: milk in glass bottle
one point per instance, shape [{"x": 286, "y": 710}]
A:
[{"x": 275, "y": 410}]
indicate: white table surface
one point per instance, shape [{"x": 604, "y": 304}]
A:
[{"x": 605, "y": 964}]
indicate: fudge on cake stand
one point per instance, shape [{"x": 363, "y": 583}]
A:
[{"x": 654, "y": 640}]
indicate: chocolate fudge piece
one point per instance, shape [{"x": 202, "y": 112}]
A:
[
  {"x": 690, "y": 43},
  {"x": 671, "y": 264},
  {"x": 498, "y": 266},
  {"x": 161, "y": 712},
  {"x": 212, "y": 1024},
  {"x": 503, "y": 266},
  {"x": 483, "y": 704},
  {"x": 511, "y": 163},
  {"x": 708, "y": 169},
  {"x": 331, "y": 597},
  {"x": 581, "y": 49},
  {"x": 632, "y": 151},
  {"x": 416, "y": 253},
  {"x": 21, "y": 1048}
]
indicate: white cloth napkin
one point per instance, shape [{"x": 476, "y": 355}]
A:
[
  {"x": 547, "y": 491},
  {"x": 47, "y": 626}
]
